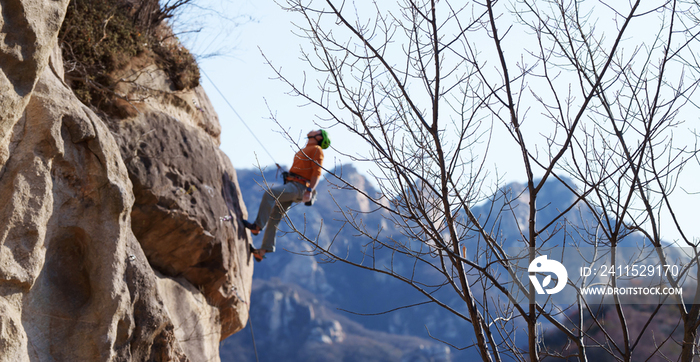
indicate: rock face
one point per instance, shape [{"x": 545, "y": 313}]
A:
[
  {"x": 184, "y": 185},
  {"x": 111, "y": 242},
  {"x": 29, "y": 29}
]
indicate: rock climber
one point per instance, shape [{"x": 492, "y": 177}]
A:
[{"x": 299, "y": 186}]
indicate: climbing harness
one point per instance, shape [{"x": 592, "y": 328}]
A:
[{"x": 291, "y": 176}]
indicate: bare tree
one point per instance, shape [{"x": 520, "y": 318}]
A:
[{"x": 589, "y": 91}]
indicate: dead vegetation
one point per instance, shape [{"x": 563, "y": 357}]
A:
[{"x": 100, "y": 38}]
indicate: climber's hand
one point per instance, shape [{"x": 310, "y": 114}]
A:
[{"x": 307, "y": 197}]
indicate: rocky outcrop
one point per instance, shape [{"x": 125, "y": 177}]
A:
[
  {"x": 110, "y": 248},
  {"x": 183, "y": 186},
  {"x": 29, "y": 29},
  {"x": 76, "y": 284}
]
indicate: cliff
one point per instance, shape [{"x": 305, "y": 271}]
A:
[{"x": 111, "y": 243}]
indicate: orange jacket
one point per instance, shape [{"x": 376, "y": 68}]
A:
[{"x": 307, "y": 162}]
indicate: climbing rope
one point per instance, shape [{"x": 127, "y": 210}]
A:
[
  {"x": 252, "y": 334},
  {"x": 230, "y": 217},
  {"x": 241, "y": 118}
]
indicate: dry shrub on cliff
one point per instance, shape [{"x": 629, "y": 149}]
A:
[
  {"x": 176, "y": 60},
  {"x": 100, "y": 37}
]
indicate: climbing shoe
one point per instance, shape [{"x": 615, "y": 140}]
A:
[
  {"x": 256, "y": 254},
  {"x": 254, "y": 229}
]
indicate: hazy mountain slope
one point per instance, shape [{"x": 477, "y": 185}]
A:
[{"x": 360, "y": 291}]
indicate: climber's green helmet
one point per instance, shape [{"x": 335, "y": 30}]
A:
[{"x": 326, "y": 141}]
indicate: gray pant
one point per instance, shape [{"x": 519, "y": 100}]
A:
[{"x": 274, "y": 204}]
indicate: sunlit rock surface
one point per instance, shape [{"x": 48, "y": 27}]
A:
[{"x": 111, "y": 243}]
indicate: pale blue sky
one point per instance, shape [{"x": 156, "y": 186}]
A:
[{"x": 244, "y": 78}]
